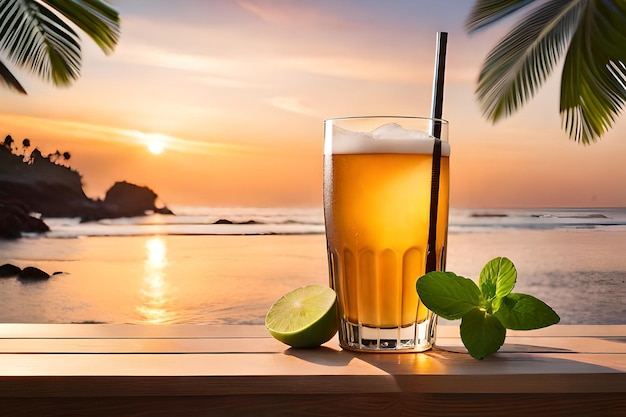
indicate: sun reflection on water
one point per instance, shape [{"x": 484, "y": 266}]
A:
[{"x": 155, "y": 306}]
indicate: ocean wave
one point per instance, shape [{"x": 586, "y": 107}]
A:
[
  {"x": 251, "y": 221},
  {"x": 98, "y": 229},
  {"x": 573, "y": 216},
  {"x": 536, "y": 219}
]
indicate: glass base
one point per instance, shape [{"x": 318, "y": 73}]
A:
[{"x": 417, "y": 337}]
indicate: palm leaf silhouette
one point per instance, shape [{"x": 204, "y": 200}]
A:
[
  {"x": 9, "y": 81},
  {"x": 591, "y": 35},
  {"x": 34, "y": 37}
]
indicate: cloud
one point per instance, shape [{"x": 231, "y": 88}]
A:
[
  {"x": 179, "y": 144},
  {"x": 290, "y": 13},
  {"x": 253, "y": 58},
  {"x": 143, "y": 54},
  {"x": 229, "y": 82},
  {"x": 371, "y": 69},
  {"x": 103, "y": 133},
  {"x": 291, "y": 104}
]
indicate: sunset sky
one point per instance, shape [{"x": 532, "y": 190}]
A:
[{"x": 235, "y": 93}]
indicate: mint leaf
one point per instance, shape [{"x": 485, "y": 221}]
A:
[
  {"x": 497, "y": 279},
  {"x": 481, "y": 333},
  {"x": 486, "y": 310},
  {"x": 447, "y": 294},
  {"x": 525, "y": 312}
]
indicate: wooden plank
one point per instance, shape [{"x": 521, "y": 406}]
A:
[
  {"x": 194, "y": 370},
  {"x": 114, "y": 331},
  {"x": 270, "y": 345},
  {"x": 233, "y": 405},
  {"x": 589, "y": 330},
  {"x": 370, "y": 405},
  {"x": 321, "y": 362},
  {"x": 436, "y": 371},
  {"x": 169, "y": 345},
  {"x": 546, "y": 344},
  {"x": 30, "y": 330},
  {"x": 207, "y": 385}
]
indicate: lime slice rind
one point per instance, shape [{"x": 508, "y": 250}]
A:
[{"x": 304, "y": 317}]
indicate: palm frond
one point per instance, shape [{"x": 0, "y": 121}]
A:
[
  {"x": 593, "y": 83},
  {"x": 486, "y": 12},
  {"x": 36, "y": 39},
  {"x": 519, "y": 64},
  {"x": 9, "y": 80},
  {"x": 96, "y": 18}
]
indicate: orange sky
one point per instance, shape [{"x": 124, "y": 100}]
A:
[{"x": 236, "y": 93}]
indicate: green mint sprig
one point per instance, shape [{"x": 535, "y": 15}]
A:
[{"x": 486, "y": 310}]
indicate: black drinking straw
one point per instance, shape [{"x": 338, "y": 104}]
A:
[{"x": 436, "y": 112}]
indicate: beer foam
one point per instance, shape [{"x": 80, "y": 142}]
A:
[{"x": 388, "y": 138}]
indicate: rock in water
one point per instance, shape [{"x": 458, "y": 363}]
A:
[
  {"x": 30, "y": 273},
  {"x": 133, "y": 200},
  {"x": 9, "y": 270},
  {"x": 16, "y": 219}
]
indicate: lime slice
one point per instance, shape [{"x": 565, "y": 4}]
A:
[{"x": 305, "y": 317}]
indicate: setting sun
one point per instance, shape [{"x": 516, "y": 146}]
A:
[
  {"x": 156, "y": 147},
  {"x": 155, "y": 142}
]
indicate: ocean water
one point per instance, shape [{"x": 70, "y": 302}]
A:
[
  {"x": 188, "y": 269},
  {"x": 253, "y": 221},
  {"x": 198, "y": 221}
]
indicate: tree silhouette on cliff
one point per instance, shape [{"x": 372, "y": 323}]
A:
[{"x": 8, "y": 142}]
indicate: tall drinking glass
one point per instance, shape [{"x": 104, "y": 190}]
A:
[{"x": 378, "y": 192}]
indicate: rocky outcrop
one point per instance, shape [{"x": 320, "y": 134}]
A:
[
  {"x": 48, "y": 198},
  {"x": 9, "y": 270},
  {"x": 133, "y": 200},
  {"x": 31, "y": 273},
  {"x": 226, "y": 221},
  {"x": 15, "y": 219},
  {"x": 28, "y": 274},
  {"x": 39, "y": 184}
]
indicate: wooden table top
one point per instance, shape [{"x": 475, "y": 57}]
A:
[{"x": 578, "y": 368}]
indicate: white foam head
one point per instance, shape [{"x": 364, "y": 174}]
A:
[{"x": 388, "y": 138}]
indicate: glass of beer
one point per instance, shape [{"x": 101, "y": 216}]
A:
[{"x": 380, "y": 219}]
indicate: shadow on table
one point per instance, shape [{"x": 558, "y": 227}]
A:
[{"x": 322, "y": 355}]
